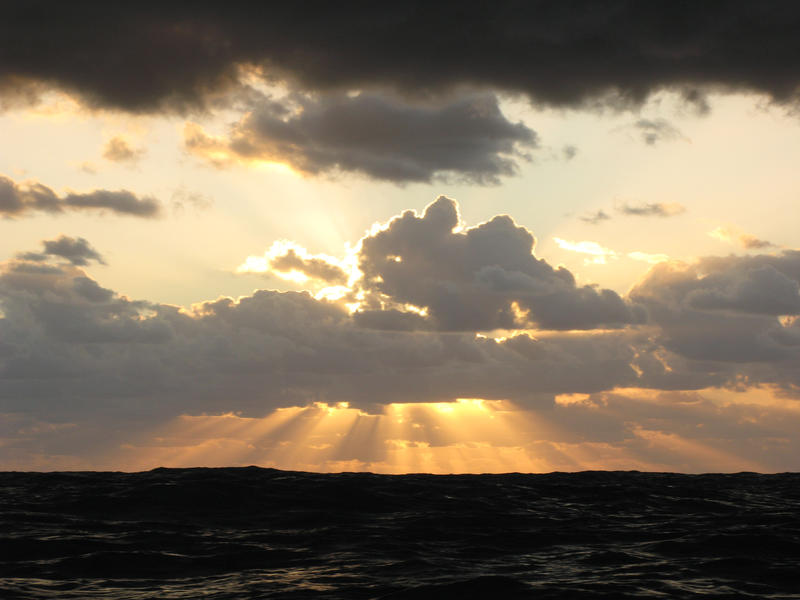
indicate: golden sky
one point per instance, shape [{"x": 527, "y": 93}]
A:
[{"x": 215, "y": 253}]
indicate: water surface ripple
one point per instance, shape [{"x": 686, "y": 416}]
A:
[{"x": 264, "y": 533}]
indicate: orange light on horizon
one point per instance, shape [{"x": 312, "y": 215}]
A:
[{"x": 463, "y": 436}]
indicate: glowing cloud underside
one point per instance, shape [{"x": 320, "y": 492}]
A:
[{"x": 469, "y": 435}]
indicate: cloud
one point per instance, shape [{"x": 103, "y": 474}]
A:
[
  {"x": 734, "y": 235},
  {"x": 656, "y": 130},
  {"x": 600, "y": 254},
  {"x": 595, "y": 217},
  {"x": 117, "y": 149},
  {"x": 72, "y": 347},
  {"x": 569, "y": 151},
  {"x": 652, "y": 209},
  {"x": 375, "y": 136},
  {"x": 653, "y": 259},
  {"x": 18, "y": 200},
  {"x": 77, "y": 251},
  {"x": 76, "y": 355},
  {"x": 183, "y": 199},
  {"x": 293, "y": 262},
  {"x": 480, "y": 278},
  {"x": 179, "y": 60},
  {"x": 727, "y": 309}
]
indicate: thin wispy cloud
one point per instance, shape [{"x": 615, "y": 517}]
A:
[
  {"x": 595, "y": 217},
  {"x": 651, "y": 209},
  {"x": 734, "y": 235}
]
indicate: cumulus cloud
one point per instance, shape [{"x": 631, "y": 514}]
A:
[
  {"x": 177, "y": 60},
  {"x": 117, "y": 149},
  {"x": 482, "y": 278},
  {"x": 375, "y": 136},
  {"x": 727, "y": 308},
  {"x": 22, "y": 199},
  {"x": 77, "y": 251},
  {"x": 652, "y": 209}
]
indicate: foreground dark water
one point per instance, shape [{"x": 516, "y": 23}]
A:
[{"x": 262, "y": 533}]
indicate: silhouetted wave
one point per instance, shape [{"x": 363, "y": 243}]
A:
[{"x": 263, "y": 533}]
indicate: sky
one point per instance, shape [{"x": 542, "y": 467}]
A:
[{"x": 400, "y": 238}]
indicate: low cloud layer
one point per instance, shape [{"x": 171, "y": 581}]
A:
[
  {"x": 24, "y": 199},
  {"x": 71, "y": 348},
  {"x": 416, "y": 327},
  {"x": 171, "y": 58},
  {"x": 375, "y": 136}
]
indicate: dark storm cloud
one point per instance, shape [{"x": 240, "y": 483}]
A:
[
  {"x": 17, "y": 200},
  {"x": 652, "y": 209},
  {"x": 480, "y": 279},
  {"x": 376, "y": 136},
  {"x": 77, "y": 251},
  {"x": 154, "y": 56}
]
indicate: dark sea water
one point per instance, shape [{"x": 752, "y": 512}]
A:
[{"x": 263, "y": 533}]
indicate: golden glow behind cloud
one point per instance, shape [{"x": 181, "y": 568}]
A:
[
  {"x": 599, "y": 254},
  {"x": 468, "y": 435}
]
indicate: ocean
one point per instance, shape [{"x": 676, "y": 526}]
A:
[{"x": 264, "y": 533}]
